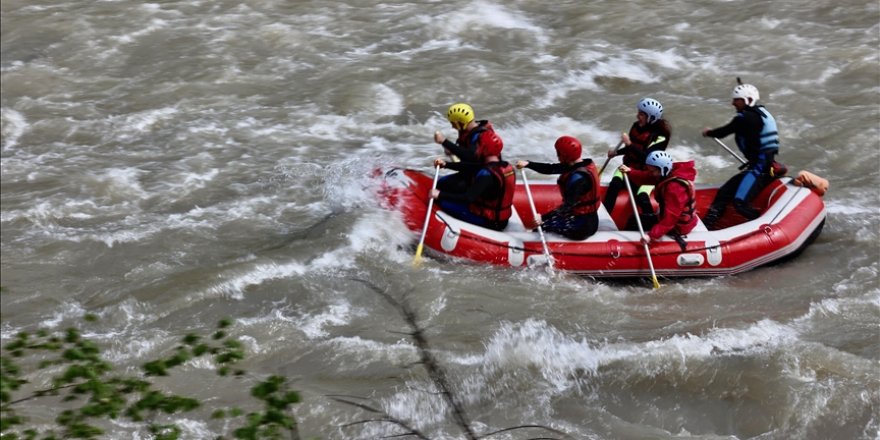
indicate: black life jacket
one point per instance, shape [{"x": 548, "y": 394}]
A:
[{"x": 589, "y": 201}]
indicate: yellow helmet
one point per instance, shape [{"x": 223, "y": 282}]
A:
[{"x": 460, "y": 115}]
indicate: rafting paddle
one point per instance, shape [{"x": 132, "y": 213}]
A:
[
  {"x": 535, "y": 214},
  {"x": 741, "y": 160},
  {"x": 417, "y": 259},
  {"x": 616, "y": 149},
  {"x": 641, "y": 230}
]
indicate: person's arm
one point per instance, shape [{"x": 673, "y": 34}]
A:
[
  {"x": 675, "y": 198},
  {"x": 546, "y": 168},
  {"x": 726, "y": 130},
  {"x": 464, "y": 154}
]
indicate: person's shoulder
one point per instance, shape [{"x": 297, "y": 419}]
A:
[{"x": 663, "y": 127}]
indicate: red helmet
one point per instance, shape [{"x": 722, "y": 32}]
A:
[
  {"x": 490, "y": 145},
  {"x": 568, "y": 149}
]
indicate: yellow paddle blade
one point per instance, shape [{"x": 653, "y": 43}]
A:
[
  {"x": 417, "y": 258},
  {"x": 656, "y": 283}
]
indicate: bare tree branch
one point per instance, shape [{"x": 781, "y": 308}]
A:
[
  {"x": 386, "y": 418},
  {"x": 564, "y": 435},
  {"x": 435, "y": 371}
]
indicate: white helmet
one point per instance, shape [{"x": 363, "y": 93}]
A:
[
  {"x": 652, "y": 108},
  {"x": 747, "y": 92},
  {"x": 660, "y": 159}
]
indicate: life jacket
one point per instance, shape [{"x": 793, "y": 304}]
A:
[
  {"x": 769, "y": 134},
  {"x": 589, "y": 201},
  {"x": 469, "y": 140},
  {"x": 688, "y": 214},
  {"x": 641, "y": 139},
  {"x": 497, "y": 209},
  {"x": 768, "y": 138}
]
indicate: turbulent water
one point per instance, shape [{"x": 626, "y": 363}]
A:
[{"x": 169, "y": 164}]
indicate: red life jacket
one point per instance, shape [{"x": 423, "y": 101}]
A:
[
  {"x": 688, "y": 214},
  {"x": 641, "y": 138},
  {"x": 589, "y": 201},
  {"x": 469, "y": 140},
  {"x": 499, "y": 208}
]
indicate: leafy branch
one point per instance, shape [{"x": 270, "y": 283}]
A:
[{"x": 92, "y": 393}]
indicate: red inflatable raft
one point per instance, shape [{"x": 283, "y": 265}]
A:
[{"x": 792, "y": 218}]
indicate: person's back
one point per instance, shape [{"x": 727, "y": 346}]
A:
[{"x": 576, "y": 217}]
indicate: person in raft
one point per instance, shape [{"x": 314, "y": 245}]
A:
[
  {"x": 674, "y": 192},
  {"x": 470, "y": 133},
  {"x": 650, "y": 132},
  {"x": 757, "y": 138},
  {"x": 578, "y": 183},
  {"x": 488, "y": 199}
]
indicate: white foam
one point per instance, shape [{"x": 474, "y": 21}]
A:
[
  {"x": 13, "y": 125},
  {"x": 562, "y": 359},
  {"x": 67, "y": 311},
  {"x": 668, "y": 59},
  {"x": 481, "y": 14},
  {"x": 315, "y": 325},
  {"x": 137, "y": 347},
  {"x": 534, "y": 141},
  {"x": 375, "y": 233},
  {"x": 234, "y": 286},
  {"x": 533, "y": 344},
  {"x": 386, "y": 100},
  {"x": 121, "y": 185},
  {"x": 851, "y": 207},
  {"x": 153, "y": 25}
]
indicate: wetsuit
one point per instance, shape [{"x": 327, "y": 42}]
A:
[
  {"x": 576, "y": 217},
  {"x": 757, "y": 138}
]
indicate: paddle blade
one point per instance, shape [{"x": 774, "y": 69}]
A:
[
  {"x": 656, "y": 283},
  {"x": 417, "y": 258}
]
